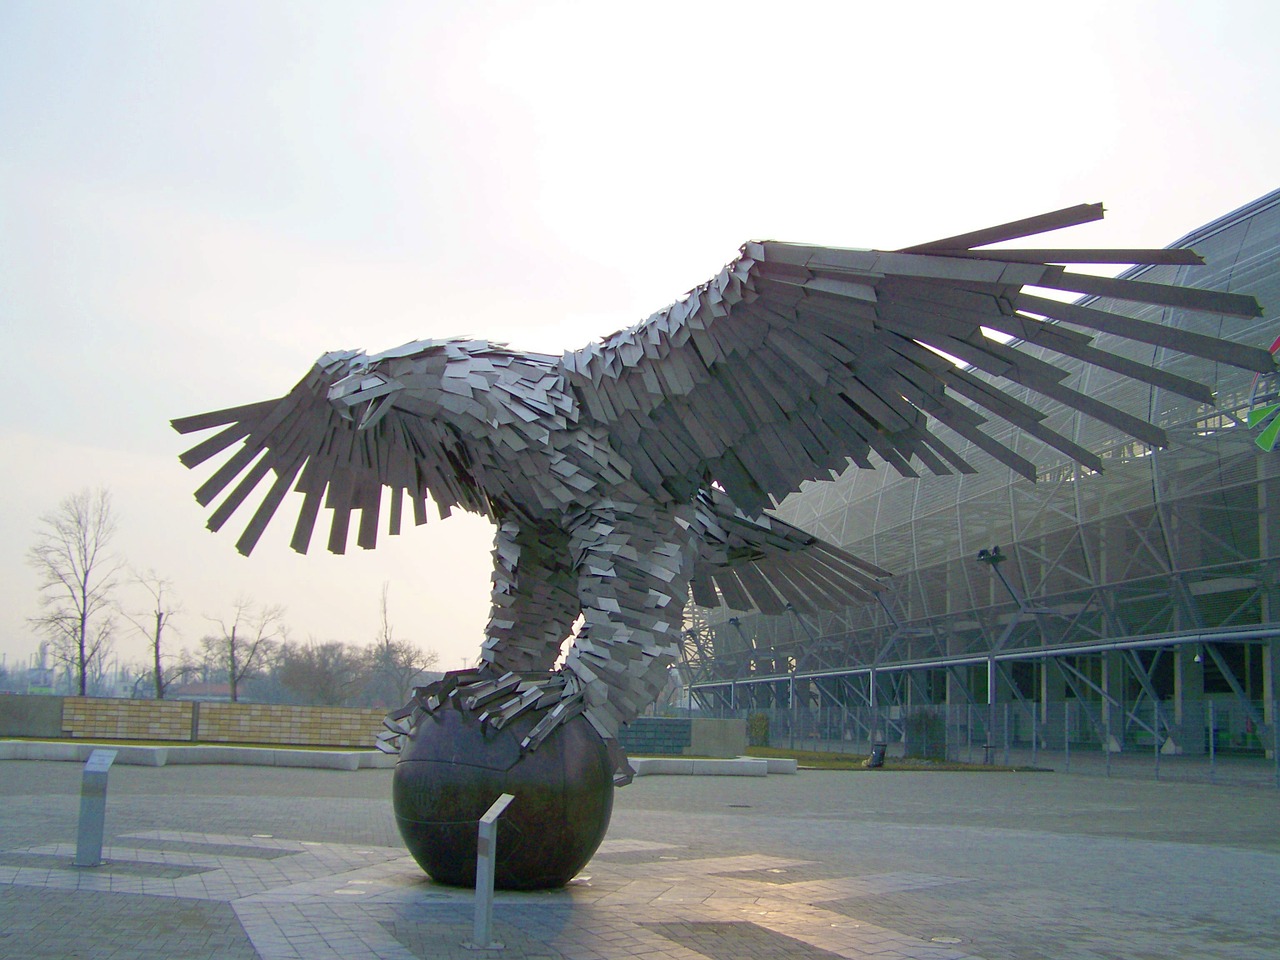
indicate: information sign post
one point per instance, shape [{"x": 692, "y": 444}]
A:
[{"x": 93, "y": 808}]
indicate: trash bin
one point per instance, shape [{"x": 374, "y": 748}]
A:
[{"x": 877, "y": 756}]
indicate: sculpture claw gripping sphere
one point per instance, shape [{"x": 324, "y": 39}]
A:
[{"x": 634, "y": 474}]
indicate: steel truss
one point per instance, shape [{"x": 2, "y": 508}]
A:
[
  {"x": 1136, "y": 597},
  {"x": 1097, "y": 611}
]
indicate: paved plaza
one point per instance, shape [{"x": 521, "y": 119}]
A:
[{"x": 245, "y": 862}]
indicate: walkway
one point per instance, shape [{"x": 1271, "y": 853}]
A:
[{"x": 244, "y": 862}]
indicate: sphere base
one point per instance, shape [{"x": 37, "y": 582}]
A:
[{"x": 452, "y": 768}]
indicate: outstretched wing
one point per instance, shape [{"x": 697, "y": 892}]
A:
[
  {"x": 766, "y": 564},
  {"x": 302, "y": 442},
  {"x": 795, "y": 360}
]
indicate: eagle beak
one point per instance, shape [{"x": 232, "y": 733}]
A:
[{"x": 363, "y": 397}]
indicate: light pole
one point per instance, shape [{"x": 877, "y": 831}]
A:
[{"x": 993, "y": 558}]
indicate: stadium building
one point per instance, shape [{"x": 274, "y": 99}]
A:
[{"x": 1133, "y": 609}]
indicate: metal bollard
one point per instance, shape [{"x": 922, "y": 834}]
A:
[
  {"x": 93, "y": 808},
  {"x": 1066, "y": 733},
  {"x": 1213, "y": 745},
  {"x": 486, "y": 858}
]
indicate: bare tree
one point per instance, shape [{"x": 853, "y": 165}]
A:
[
  {"x": 396, "y": 665},
  {"x": 193, "y": 666},
  {"x": 78, "y": 577},
  {"x": 324, "y": 674},
  {"x": 245, "y": 640},
  {"x": 153, "y": 624}
]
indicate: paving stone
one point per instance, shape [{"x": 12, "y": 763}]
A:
[
  {"x": 899, "y": 866},
  {"x": 39, "y": 923},
  {"x": 736, "y": 939},
  {"x": 51, "y": 861}
]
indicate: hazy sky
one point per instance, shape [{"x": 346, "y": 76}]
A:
[{"x": 198, "y": 199}]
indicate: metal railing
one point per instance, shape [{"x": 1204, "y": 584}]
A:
[{"x": 1213, "y": 741}]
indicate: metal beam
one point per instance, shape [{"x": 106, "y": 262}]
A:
[
  {"x": 1144, "y": 680},
  {"x": 1229, "y": 675},
  {"x": 1250, "y": 635},
  {"x": 1098, "y": 726}
]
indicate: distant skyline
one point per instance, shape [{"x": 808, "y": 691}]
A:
[{"x": 198, "y": 199}]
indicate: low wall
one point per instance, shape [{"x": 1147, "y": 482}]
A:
[
  {"x": 103, "y": 718},
  {"x": 719, "y": 738},
  {"x": 685, "y": 736},
  {"x": 277, "y": 723},
  {"x": 272, "y": 724},
  {"x": 93, "y": 718},
  {"x": 25, "y": 716}
]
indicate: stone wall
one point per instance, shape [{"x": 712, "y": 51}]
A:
[
  {"x": 281, "y": 724},
  {"x": 95, "y": 718},
  {"x": 664, "y": 736},
  {"x": 685, "y": 736},
  {"x": 101, "y": 718}
]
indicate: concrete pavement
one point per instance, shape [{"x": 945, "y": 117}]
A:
[{"x": 216, "y": 861}]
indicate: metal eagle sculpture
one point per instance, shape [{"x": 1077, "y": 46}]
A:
[{"x": 637, "y": 473}]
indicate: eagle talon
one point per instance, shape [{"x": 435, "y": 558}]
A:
[
  {"x": 490, "y": 690},
  {"x": 389, "y": 742},
  {"x": 549, "y": 691},
  {"x": 504, "y": 698}
]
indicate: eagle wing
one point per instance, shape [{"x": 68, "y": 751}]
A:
[
  {"x": 795, "y": 360},
  {"x": 766, "y": 564},
  {"x": 303, "y": 443}
]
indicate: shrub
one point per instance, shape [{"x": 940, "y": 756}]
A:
[{"x": 758, "y": 729}]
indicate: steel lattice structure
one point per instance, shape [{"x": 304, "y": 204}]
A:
[{"x": 1108, "y": 587}]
